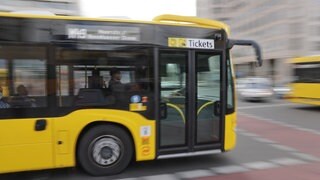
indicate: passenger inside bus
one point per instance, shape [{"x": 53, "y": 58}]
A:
[
  {"x": 96, "y": 81},
  {"x": 21, "y": 99},
  {"x": 3, "y": 104},
  {"x": 115, "y": 81}
]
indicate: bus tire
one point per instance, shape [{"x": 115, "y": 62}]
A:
[{"x": 105, "y": 150}]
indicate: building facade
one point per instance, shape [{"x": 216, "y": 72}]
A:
[
  {"x": 283, "y": 28},
  {"x": 57, "y": 7}
]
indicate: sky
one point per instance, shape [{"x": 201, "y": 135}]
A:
[{"x": 137, "y": 9}]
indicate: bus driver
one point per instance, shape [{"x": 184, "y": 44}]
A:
[{"x": 115, "y": 81}]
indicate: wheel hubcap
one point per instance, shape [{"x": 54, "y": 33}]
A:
[
  {"x": 106, "y": 150},
  {"x": 106, "y": 153}
]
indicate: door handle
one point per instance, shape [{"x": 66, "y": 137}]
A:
[
  {"x": 217, "y": 108},
  {"x": 163, "y": 111},
  {"x": 40, "y": 125}
]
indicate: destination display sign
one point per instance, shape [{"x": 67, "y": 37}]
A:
[{"x": 106, "y": 33}]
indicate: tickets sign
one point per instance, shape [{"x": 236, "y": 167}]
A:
[{"x": 191, "y": 43}]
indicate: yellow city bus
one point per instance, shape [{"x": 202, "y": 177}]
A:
[
  {"x": 305, "y": 88},
  {"x": 99, "y": 93}
]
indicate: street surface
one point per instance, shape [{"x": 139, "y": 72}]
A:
[{"x": 276, "y": 140}]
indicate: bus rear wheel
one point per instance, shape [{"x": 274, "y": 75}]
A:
[{"x": 105, "y": 150}]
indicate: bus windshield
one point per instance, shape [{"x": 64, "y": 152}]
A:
[{"x": 307, "y": 73}]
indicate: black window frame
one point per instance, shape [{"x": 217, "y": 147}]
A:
[
  {"x": 230, "y": 79},
  {"x": 29, "y": 112},
  {"x": 179, "y": 147},
  {"x": 216, "y": 144}
]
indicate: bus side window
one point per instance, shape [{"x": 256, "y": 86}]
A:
[
  {"x": 29, "y": 82},
  {"x": 92, "y": 97},
  {"x": 96, "y": 82},
  {"x": 3, "y": 84},
  {"x": 24, "y": 83}
]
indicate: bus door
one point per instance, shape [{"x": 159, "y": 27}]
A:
[{"x": 190, "y": 105}]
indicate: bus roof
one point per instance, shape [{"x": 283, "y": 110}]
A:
[
  {"x": 166, "y": 19},
  {"x": 306, "y": 59}
]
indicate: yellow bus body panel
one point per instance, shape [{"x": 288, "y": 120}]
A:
[
  {"x": 305, "y": 93},
  {"x": 230, "y": 132},
  {"x": 166, "y": 19},
  {"x": 23, "y": 148},
  {"x": 306, "y": 59},
  {"x": 68, "y": 128}
]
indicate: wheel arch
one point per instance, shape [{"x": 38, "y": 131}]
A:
[{"x": 98, "y": 123}]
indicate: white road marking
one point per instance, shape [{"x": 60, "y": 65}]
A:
[
  {"x": 307, "y": 157},
  {"x": 288, "y": 161},
  {"x": 161, "y": 177},
  {"x": 265, "y": 106},
  {"x": 249, "y": 134},
  {"x": 240, "y": 130},
  {"x": 313, "y": 131},
  {"x": 290, "y": 125},
  {"x": 229, "y": 169},
  {"x": 282, "y": 147},
  {"x": 195, "y": 174},
  {"x": 260, "y": 165},
  {"x": 304, "y": 129},
  {"x": 281, "y": 123},
  {"x": 264, "y": 140}
]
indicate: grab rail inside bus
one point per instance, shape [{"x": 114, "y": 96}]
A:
[{"x": 192, "y": 20}]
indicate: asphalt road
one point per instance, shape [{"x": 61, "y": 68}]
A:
[
  {"x": 304, "y": 116},
  {"x": 274, "y": 138}
]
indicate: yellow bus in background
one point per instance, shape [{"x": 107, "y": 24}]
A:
[
  {"x": 99, "y": 93},
  {"x": 305, "y": 88}
]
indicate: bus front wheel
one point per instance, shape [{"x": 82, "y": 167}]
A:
[{"x": 105, "y": 150}]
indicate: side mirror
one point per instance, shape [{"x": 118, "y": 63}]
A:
[
  {"x": 254, "y": 44},
  {"x": 163, "y": 111}
]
